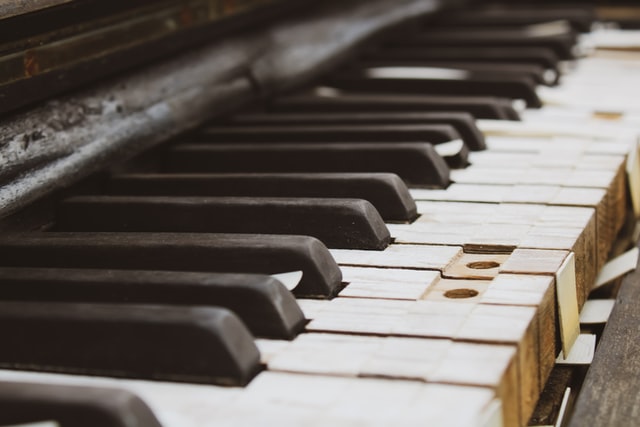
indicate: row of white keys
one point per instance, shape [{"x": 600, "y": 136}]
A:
[
  {"x": 285, "y": 399},
  {"x": 570, "y": 174}
]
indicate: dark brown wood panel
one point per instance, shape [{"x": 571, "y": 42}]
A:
[{"x": 610, "y": 395}]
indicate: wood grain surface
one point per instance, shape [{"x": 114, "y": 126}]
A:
[
  {"x": 611, "y": 392},
  {"x": 9, "y": 8}
]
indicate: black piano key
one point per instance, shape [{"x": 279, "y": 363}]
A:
[
  {"x": 72, "y": 406},
  {"x": 416, "y": 163},
  {"x": 561, "y": 43},
  {"x": 265, "y": 306},
  {"x": 463, "y": 122},
  {"x": 385, "y": 191},
  {"x": 432, "y": 133},
  {"x": 581, "y": 19},
  {"x": 205, "y": 252},
  {"x": 196, "y": 344},
  {"x": 540, "y": 56},
  {"x": 468, "y": 84},
  {"x": 338, "y": 223},
  {"x": 481, "y": 107}
]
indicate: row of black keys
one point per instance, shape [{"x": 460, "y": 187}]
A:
[{"x": 153, "y": 242}]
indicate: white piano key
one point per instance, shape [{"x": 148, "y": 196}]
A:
[
  {"x": 533, "y": 261},
  {"x": 435, "y": 234},
  {"x": 475, "y": 364},
  {"x": 453, "y": 212},
  {"x": 503, "y": 324},
  {"x": 408, "y": 358},
  {"x": 517, "y": 289},
  {"x": 387, "y": 283},
  {"x": 614, "y": 38},
  {"x": 596, "y": 156},
  {"x": 405, "y": 318},
  {"x": 464, "y": 193},
  {"x": 538, "y": 128},
  {"x": 269, "y": 348},
  {"x": 404, "y": 256}
]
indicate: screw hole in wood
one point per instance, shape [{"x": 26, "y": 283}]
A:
[
  {"x": 461, "y": 293},
  {"x": 483, "y": 265}
]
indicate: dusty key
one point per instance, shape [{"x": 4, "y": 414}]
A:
[
  {"x": 266, "y": 307},
  {"x": 481, "y": 107},
  {"x": 463, "y": 122},
  {"x": 205, "y": 252},
  {"x": 385, "y": 191},
  {"x": 416, "y": 163},
  {"x": 338, "y": 223},
  {"x": 195, "y": 344},
  {"x": 72, "y": 406}
]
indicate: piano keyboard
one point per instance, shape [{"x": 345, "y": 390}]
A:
[{"x": 441, "y": 280}]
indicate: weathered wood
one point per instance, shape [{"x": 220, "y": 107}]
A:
[
  {"x": 18, "y": 7},
  {"x": 548, "y": 406},
  {"x": 610, "y": 394},
  {"x": 64, "y": 140}
]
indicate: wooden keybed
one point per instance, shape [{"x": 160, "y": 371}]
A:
[{"x": 457, "y": 322}]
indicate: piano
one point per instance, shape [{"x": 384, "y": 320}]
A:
[{"x": 356, "y": 213}]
